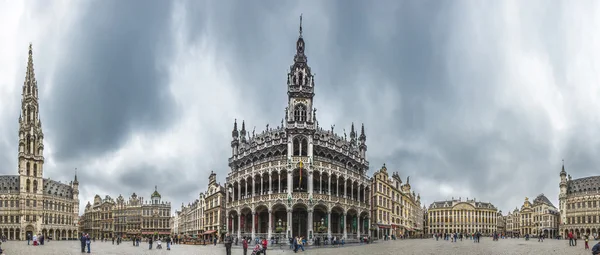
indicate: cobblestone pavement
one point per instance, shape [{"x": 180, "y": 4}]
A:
[{"x": 427, "y": 246}]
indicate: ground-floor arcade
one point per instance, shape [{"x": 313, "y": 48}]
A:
[{"x": 282, "y": 221}]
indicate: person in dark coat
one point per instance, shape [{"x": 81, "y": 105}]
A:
[
  {"x": 82, "y": 239},
  {"x": 227, "y": 241}
]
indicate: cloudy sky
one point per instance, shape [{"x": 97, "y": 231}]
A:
[{"x": 469, "y": 98}]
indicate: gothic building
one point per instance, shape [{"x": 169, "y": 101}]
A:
[
  {"x": 579, "y": 203},
  {"x": 298, "y": 179},
  {"x": 30, "y": 203}
]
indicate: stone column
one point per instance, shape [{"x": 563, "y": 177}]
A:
[
  {"x": 262, "y": 180},
  {"x": 328, "y": 224},
  {"x": 329, "y": 185},
  {"x": 239, "y": 230},
  {"x": 358, "y": 192},
  {"x": 289, "y": 182},
  {"x": 289, "y": 232},
  {"x": 269, "y": 233},
  {"x": 239, "y": 190},
  {"x": 368, "y": 225},
  {"x": 310, "y": 181},
  {"x": 309, "y": 227},
  {"x": 352, "y": 190},
  {"x": 253, "y": 225},
  {"x": 270, "y": 184},
  {"x": 246, "y": 188},
  {"x": 358, "y": 226},
  {"x": 279, "y": 186},
  {"x": 344, "y": 227}
]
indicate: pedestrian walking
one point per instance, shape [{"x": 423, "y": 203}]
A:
[
  {"x": 245, "y": 245},
  {"x": 88, "y": 242},
  {"x": 587, "y": 247},
  {"x": 264, "y": 244},
  {"x": 227, "y": 241},
  {"x": 82, "y": 239}
]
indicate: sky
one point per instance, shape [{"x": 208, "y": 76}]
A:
[{"x": 477, "y": 99}]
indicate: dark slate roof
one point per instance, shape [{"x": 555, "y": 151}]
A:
[
  {"x": 449, "y": 203},
  {"x": 9, "y": 183},
  {"x": 541, "y": 199},
  {"x": 587, "y": 184},
  {"x": 56, "y": 188}
]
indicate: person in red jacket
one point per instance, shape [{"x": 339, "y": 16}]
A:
[
  {"x": 264, "y": 244},
  {"x": 571, "y": 238},
  {"x": 245, "y": 245}
]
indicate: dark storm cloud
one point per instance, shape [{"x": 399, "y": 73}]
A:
[
  {"x": 111, "y": 80},
  {"x": 424, "y": 76}
]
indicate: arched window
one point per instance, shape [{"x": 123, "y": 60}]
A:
[
  {"x": 300, "y": 113},
  {"x": 34, "y": 185},
  {"x": 304, "y": 147},
  {"x": 35, "y": 169},
  {"x": 28, "y": 186},
  {"x": 300, "y": 145},
  {"x": 27, "y": 168}
]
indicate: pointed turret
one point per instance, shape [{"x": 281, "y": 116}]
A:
[
  {"x": 363, "y": 146},
  {"x": 75, "y": 181},
  {"x": 235, "y": 134},
  {"x": 352, "y": 135},
  {"x": 243, "y": 132},
  {"x": 235, "y": 142}
]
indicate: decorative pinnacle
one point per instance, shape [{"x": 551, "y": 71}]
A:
[{"x": 300, "y": 24}]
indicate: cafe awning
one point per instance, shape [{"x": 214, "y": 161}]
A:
[{"x": 208, "y": 232}]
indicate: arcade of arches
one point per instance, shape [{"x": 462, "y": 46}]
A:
[
  {"x": 300, "y": 181},
  {"x": 298, "y": 220}
]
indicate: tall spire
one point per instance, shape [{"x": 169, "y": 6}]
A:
[
  {"x": 30, "y": 84},
  {"x": 75, "y": 181},
  {"x": 300, "y": 25},
  {"x": 563, "y": 172}
]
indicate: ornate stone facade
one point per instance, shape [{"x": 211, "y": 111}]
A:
[
  {"x": 396, "y": 209},
  {"x": 30, "y": 203},
  {"x": 457, "y": 216},
  {"x": 298, "y": 179},
  {"x": 579, "y": 203},
  {"x": 205, "y": 217},
  {"x": 108, "y": 218},
  {"x": 539, "y": 217}
]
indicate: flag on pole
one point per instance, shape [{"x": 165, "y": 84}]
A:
[{"x": 300, "y": 183}]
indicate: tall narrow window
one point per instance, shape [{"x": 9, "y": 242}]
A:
[
  {"x": 34, "y": 185},
  {"x": 27, "y": 167},
  {"x": 304, "y": 147},
  {"x": 300, "y": 113},
  {"x": 35, "y": 169},
  {"x": 28, "y": 186}
]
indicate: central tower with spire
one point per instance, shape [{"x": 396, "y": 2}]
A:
[{"x": 300, "y": 90}]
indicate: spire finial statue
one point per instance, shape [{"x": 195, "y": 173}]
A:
[{"x": 155, "y": 188}]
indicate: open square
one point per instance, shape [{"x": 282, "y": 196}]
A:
[{"x": 414, "y": 246}]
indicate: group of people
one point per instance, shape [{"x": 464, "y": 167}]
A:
[
  {"x": 35, "y": 239},
  {"x": 586, "y": 237},
  {"x": 86, "y": 240},
  {"x": 452, "y": 237}
]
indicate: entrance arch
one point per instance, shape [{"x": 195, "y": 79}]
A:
[
  {"x": 299, "y": 220},
  {"x": 29, "y": 231}
]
